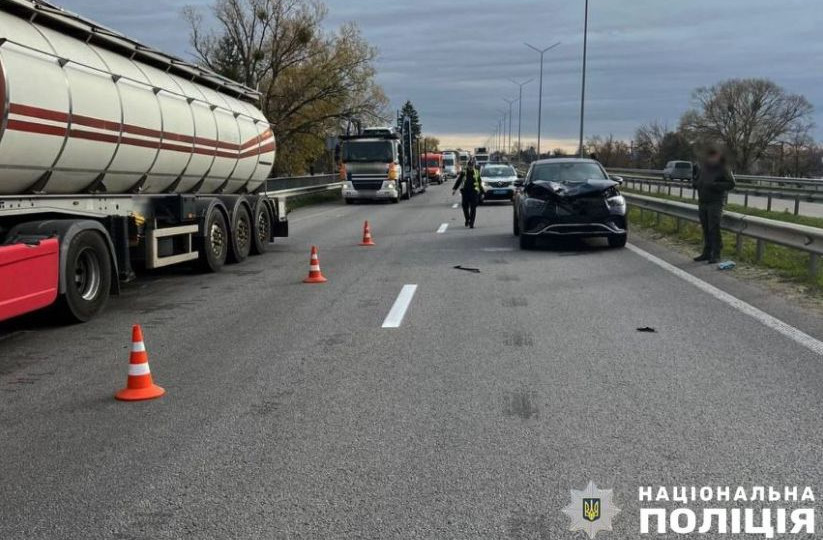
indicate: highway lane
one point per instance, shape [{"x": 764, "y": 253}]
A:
[{"x": 292, "y": 413}]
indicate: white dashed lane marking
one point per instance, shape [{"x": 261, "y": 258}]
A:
[{"x": 398, "y": 310}]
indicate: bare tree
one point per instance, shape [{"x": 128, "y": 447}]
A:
[
  {"x": 310, "y": 78},
  {"x": 648, "y": 141},
  {"x": 745, "y": 115}
]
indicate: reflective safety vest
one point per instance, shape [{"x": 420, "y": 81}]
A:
[{"x": 478, "y": 187}]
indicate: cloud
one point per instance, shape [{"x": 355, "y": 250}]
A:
[{"x": 454, "y": 59}]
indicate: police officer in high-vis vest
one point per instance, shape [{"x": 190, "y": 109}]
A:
[{"x": 470, "y": 189}]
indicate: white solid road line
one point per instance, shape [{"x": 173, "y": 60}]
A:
[
  {"x": 455, "y": 205},
  {"x": 774, "y": 323},
  {"x": 398, "y": 310},
  {"x": 442, "y": 228}
]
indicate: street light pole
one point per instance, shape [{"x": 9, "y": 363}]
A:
[
  {"x": 542, "y": 52},
  {"x": 510, "y": 102},
  {"x": 583, "y": 86},
  {"x": 520, "y": 114}
]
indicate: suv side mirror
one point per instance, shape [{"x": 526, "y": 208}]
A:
[{"x": 618, "y": 179}]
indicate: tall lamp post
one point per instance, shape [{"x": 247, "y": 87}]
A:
[
  {"x": 510, "y": 102},
  {"x": 520, "y": 113},
  {"x": 583, "y": 85},
  {"x": 542, "y": 52}
]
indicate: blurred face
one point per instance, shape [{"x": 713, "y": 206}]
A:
[{"x": 713, "y": 157}]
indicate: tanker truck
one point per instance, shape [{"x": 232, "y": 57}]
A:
[{"x": 115, "y": 156}]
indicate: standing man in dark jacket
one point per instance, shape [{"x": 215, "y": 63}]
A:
[
  {"x": 713, "y": 183},
  {"x": 470, "y": 189}
]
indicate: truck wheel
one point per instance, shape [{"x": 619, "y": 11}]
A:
[
  {"x": 241, "y": 235},
  {"x": 214, "y": 246},
  {"x": 261, "y": 230},
  {"x": 88, "y": 278}
]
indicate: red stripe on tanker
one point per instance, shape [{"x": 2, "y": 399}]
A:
[{"x": 78, "y": 108}]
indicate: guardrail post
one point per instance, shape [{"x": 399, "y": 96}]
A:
[
  {"x": 738, "y": 244},
  {"x": 761, "y": 248},
  {"x": 694, "y": 194},
  {"x": 669, "y": 190},
  {"x": 769, "y": 203},
  {"x": 797, "y": 205},
  {"x": 678, "y": 224},
  {"x": 681, "y": 191},
  {"x": 746, "y": 199},
  {"x": 657, "y": 219},
  {"x": 814, "y": 265}
]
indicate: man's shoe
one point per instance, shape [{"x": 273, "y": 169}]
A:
[
  {"x": 472, "y": 226},
  {"x": 701, "y": 258}
]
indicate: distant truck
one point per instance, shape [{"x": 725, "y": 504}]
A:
[
  {"x": 381, "y": 163},
  {"x": 370, "y": 166},
  {"x": 464, "y": 157},
  {"x": 481, "y": 156},
  {"x": 451, "y": 165},
  {"x": 433, "y": 167},
  {"x": 115, "y": 156}
]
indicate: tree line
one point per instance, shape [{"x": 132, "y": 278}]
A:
[
  {"x": 312, "y": 80},
  {"x": 763, "y": 129}
]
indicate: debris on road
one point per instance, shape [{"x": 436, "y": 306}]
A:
[
  {"x": 647, "y": 329},
  {"x": 465, "y": 269},
  {"x": 726, "y": 265}
]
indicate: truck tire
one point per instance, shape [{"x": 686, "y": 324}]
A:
[
  {"x": 241, "y": 235},
  {"x": 214, "y": 246},
  {"x": 87, "y": 277},
  {"x": 261, "y": 229}
]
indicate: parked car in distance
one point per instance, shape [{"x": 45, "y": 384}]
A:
[
  {"x": 498, "y": 182},
  {"x": 678, "y": 170},
  {"x": 569, "y": 197}
]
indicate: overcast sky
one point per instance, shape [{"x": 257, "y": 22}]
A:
[{"x": 453, "y": 58}]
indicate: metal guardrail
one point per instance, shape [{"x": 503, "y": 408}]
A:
[
  {"x": 636, "y": 180},
  {"x": 814, "y": 184},
  {"x": 792, "y": 235},
  {"x": 292, "y": 186}
]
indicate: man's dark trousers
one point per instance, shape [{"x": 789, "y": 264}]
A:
[
  {"x": 710, "y": 216},
  {"x": 469, "y": 206}
]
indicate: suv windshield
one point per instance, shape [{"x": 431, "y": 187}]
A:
[
  {"x": 568, "y": 172},
  {"x": 368, "y": 151},
  {"x": 448, "y": 162},
  {"x": 498, "y": 171},
  {"x": 682, "y": 165}
]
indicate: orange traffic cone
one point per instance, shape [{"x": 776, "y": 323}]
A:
[
  {"x": 315, "y": 275},
  {"x": 367, "y": 241},
  {"x": 140, "y": 385}
]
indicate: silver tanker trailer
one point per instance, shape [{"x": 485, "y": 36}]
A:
[{"x": 115, "y": 155}]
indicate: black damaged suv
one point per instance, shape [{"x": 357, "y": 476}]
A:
[{"x": 570, "y": 197}]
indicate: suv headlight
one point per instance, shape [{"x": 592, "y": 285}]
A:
[{"x": 616, "y": 202}]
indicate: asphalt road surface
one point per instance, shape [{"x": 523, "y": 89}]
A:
[{"x": 292, "y": 412}]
